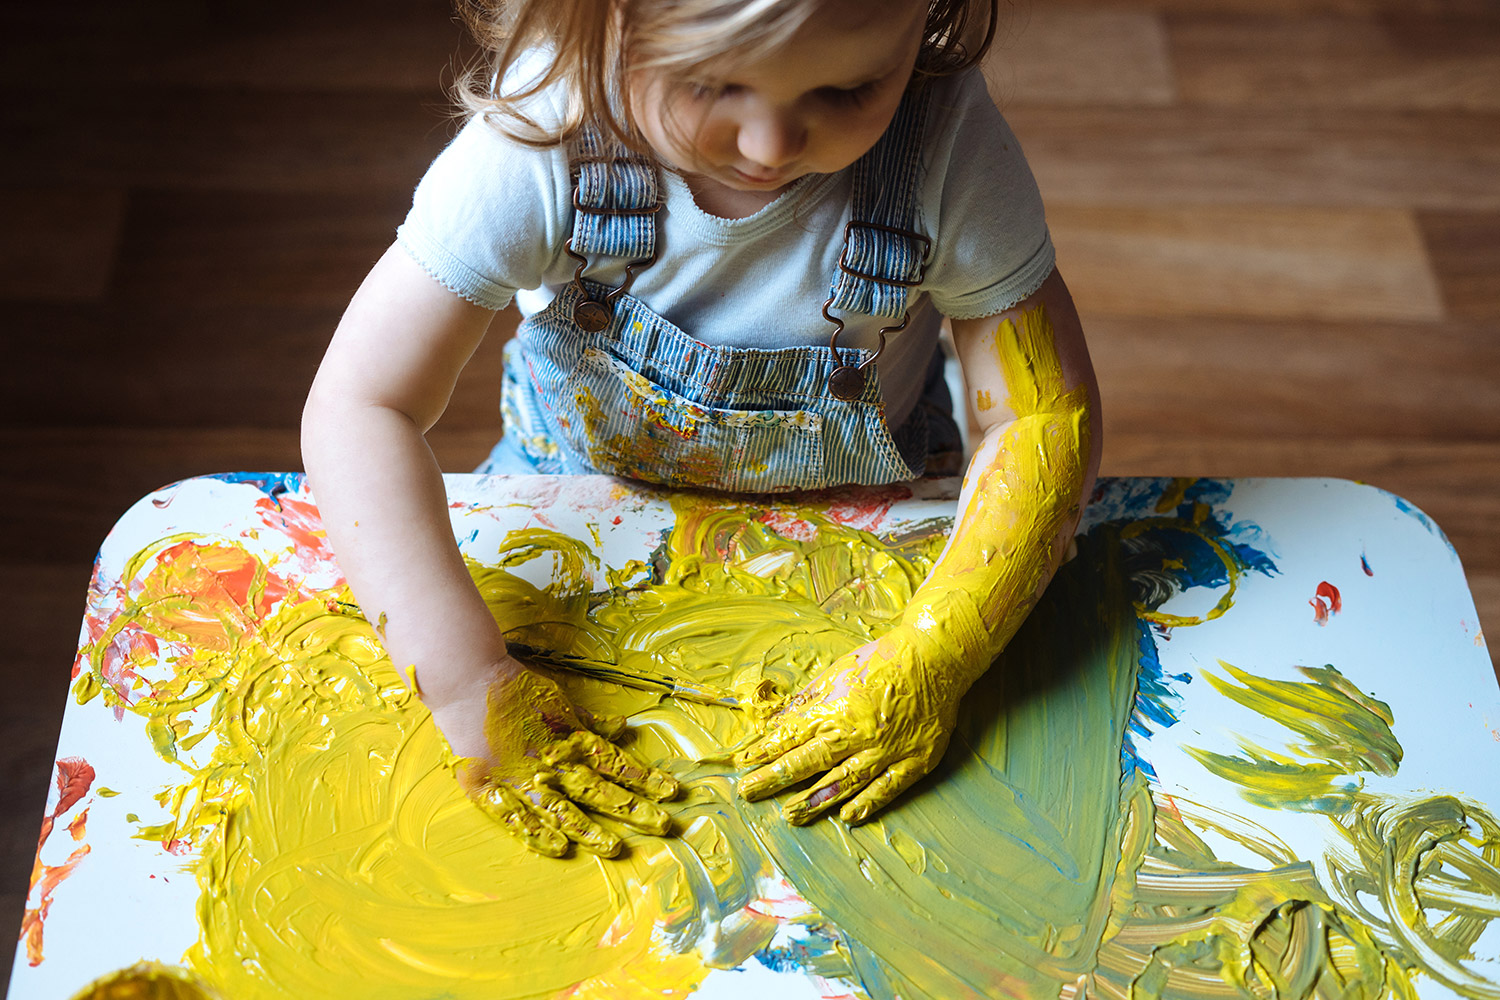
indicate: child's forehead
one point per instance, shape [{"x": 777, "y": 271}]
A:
[{"x": 849, "y": 37}]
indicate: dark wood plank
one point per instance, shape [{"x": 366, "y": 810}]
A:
[
  {"x": 193, "y": 248},
  {"x": 58, "y": 244},
  {"x": 1080, "y": 54},
  {"x": 232, "y": 140},
  {"x": 1262, "y": 156},
  {"x": 1377, "y": 61},
  {"x": 336, "y": 46},
  {"x": 1302, "y": 8},
  {"x": 157, "y": 364},
  {"x": 1297, "y": 263},
  {"x": 1465, "y": 252},
  {"x": 1412, "y": 382}
]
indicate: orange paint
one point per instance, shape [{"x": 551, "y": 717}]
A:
[{"x": 74, "y": 778}]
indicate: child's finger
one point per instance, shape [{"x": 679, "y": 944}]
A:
[
  {"x": 537, "y": 830},
  {"x": 878, "y": 794},
  {"x": 615, "y": 764},
  {"x": 571, "y": 821},
  {"x": 838, "y": 785},
  {"x": 810, "y": 758},
  {"x": 778, "y": 741},
  {"x": 588, "y": 789},
  {"x": 611, "y": 727}
]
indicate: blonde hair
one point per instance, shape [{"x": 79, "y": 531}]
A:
[{"x": 587, "y": 48}]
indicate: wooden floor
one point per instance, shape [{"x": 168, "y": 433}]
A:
[{"x": 1280, "y": 220}]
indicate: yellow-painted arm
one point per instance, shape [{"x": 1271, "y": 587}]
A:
[{"x": 880, "y": 718}]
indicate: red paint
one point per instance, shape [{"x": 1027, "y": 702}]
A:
[
  {"x": 177, "y": 847},
  {"x": 789, "y": 525},
  {"x": 866, "y": 515},
  {"x": 617, "y": 519},
  {"x": 302, "y": 525},
  {"x": 1326, "y": 603},
  {"x": 74, "y": 778}
]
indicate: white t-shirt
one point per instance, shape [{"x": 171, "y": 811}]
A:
[{"x": 490, "y": 218}]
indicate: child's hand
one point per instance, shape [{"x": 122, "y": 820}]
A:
[
  {"x": 530, "y": 755},
  {"x": 876, "y": 720}
]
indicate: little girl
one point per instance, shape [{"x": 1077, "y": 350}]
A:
[{"x": 733, "y": 228}]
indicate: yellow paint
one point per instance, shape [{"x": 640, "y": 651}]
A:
[
  {"x": 1005, "y": 544},
  {"x": 147, "y": 981},
  {"x": 877, "y": 721},
  {"x": 983, "y": 401},
  {"x": 335, "y": 854},
  {"x": 86, "y": 687},
  {"x": 1414, "y": 880},
  {"x": 354, "y": 863},
  {"x": 1344, "y": 730}
]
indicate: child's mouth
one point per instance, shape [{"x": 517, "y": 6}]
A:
[{"x": 761, "y": 180}]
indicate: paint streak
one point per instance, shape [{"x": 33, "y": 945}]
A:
[
  {"x": 1396, "y": 861},
  {"x": 1326, "y": 602},
  {"x": 336, "y": 855},
  {"x": 1364, "y": 564},
  {"x": 74, "y": 777},
  {"x": 1344, "y": 732}
]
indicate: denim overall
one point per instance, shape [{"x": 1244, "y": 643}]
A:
[{"x": 642, "y": 398}]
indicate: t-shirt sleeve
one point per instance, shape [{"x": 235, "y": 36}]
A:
[
  {"x": 991, "y": 247},
  {"x": 485, "y": 218}
]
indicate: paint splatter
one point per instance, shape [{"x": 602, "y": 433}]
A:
[
  {"x": 1326, "y": 603},
  {"x": 1364, "y": 564},
  {"x": 74, "y": 777}
]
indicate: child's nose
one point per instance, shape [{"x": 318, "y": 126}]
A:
[{"x": 773, "y": 138}]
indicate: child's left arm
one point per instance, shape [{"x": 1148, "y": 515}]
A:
[{"x": 880, "y": 717}]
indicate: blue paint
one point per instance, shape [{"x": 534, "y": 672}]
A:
[
  {"x": 1156, "y": 703},
  {"x": 1172, "y": 562},
  {"x": 1412, "y": 511},
  {"x": 272, "y": 484}
]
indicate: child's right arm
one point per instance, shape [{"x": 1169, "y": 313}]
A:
[{"x": 387, "y": 377}]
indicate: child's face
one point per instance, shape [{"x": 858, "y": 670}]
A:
[{"x": 815, "y": 106}]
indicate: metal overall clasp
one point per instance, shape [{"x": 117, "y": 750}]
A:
[
  {"x": 591, "y": 314},
  {"x": 847, "y": 382}
]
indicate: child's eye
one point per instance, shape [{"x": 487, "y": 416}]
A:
[
  {"x": 850, "y": 96},
  {"x": 710, "y": 91}
]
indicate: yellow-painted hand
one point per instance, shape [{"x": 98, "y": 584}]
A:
[
  {"x": 540, "y": 758},
  {"x": 875, "y": 721}
]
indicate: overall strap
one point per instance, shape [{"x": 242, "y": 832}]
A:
[
  {"x": 615, "y": 199},
  {"x": 885, "y": 254}
]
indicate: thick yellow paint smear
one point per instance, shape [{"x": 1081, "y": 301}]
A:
[
  {"x": 335, "y": 854},
  {"x": 1005, "y": 543}
]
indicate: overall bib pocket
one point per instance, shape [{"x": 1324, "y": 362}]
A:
[{"x": 630, "y": 426}]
